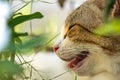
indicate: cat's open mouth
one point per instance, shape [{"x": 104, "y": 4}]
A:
[{"x": 78, "y": 60}]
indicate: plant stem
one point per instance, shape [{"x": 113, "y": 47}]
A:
[
  {"x": 31, "y": 21},
  {"x": 13, "y": 49},
  {"x": 22, "y": 6}
]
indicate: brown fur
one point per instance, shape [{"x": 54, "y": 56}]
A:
[{"x": 89, "y": 16}]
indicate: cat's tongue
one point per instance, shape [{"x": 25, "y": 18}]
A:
[{"x": 76, "y": 60}]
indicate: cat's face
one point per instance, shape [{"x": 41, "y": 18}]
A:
[
  {"x": 83, "y": 57},
  {"x": 84, "y": 52}
]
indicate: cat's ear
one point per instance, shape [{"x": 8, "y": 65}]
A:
[{"x": 116, "y": 9}]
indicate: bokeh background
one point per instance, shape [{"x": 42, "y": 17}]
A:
[
  {"x": 29, "y": 29},
  {"x": 46, "y": 64}
]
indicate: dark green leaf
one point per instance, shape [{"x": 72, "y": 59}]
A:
[
  {"x": 20, "y": 19},
  {"x": 20, "y": 34}
]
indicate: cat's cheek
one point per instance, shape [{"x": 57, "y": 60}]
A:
[
  {"x": 86, "y": 68},
  {"x": 65, "y": 49}
]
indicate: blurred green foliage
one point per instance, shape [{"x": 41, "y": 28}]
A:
[
  {"x": 8, "y": 67},
  {"x": 22, "y": 18},
  {"x": 30, "y": 43},
  {"x": 108, "y": 6},
  {"x": 110, "y": 28}
]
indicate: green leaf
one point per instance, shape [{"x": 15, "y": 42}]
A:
[
  {"x": 20, "y": 19},
  {"x": 110, "y": 28},
  {"x": 8, "y": 69},
  {"x": 20, "y": 34},
  {"x": 5, "y": 55},
  {"x": 30, "y": 43},
  {"x": 18, "y": 40}
]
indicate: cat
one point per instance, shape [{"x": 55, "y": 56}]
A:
[{"x": 85, "y": 52}]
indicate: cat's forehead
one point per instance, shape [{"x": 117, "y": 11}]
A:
[{"x": 87, "y": 15}]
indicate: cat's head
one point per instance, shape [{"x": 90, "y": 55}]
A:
[{"x": 85, "y": 52}]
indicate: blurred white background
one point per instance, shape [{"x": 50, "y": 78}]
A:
[{"x": 47, "y": 63}]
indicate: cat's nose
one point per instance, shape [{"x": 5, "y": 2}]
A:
[
  {"x": 57, "y": 44},
  {"x": 55, "y": 48}
]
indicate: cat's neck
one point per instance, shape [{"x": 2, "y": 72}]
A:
[
  {"x": 102, "y": 76},
  {"x": 112, "y": 71},
  {"x": 105, "y": 76},
  {"x": 112, "y": 74}
]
